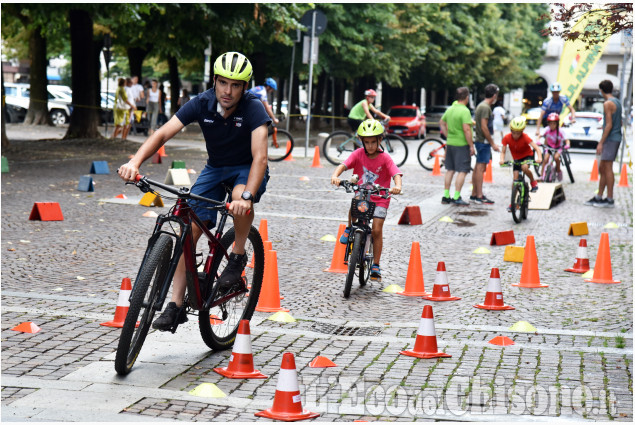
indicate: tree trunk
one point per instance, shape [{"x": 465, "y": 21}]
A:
[
  {"x": 5, "y": 139},
  {"x": 175, "y": 84},
  {"x": 259, "y": 64},
  {"x": 136, "y": 55},
  {"x": 85, "y": 117},
  {"x": 38, "y": 113}
]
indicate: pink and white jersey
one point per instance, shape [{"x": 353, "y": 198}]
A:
[
  {"x": 554, "y": 139},
  {"x": 379, "y": 170}
]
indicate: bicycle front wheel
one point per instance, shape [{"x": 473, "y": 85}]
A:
[
  {"x": 353, "y": 261},
  {"x": 219, "y": 324},
  {"x": 338, "y": 146},
  {"x": 517, "y": 202},
  {"x": 397, "y": 149},
  {"x": 524, "y": 209},
  {"x": 428, "y": 149},
  {"x": 365, "y": 263},
  {"x": 152, "y": 276},
  {"x": 281, "y": 146},
  {"x": 567, "y": 163}
]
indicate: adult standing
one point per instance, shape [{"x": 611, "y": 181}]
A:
[
  {"x": 154, "y": 105},
  {"x": 163, "y": 118},
  {"x": 608, "y": 146},
  {"x": 138, "y": 93},
  {"x": 555, "y": 103},
  {"x": 123, "y": 104},
  {"x": 484, "y": 142},
  {"x": 499, "y": 120},
  {"x": 362, "y": 111},
  {"x": 234, "y": 125},
  {"x": 456, "y": 124},
  {"x": 130, "y": 94}
]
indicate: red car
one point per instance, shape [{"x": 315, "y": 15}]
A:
[{"x": 407, "y": 121}]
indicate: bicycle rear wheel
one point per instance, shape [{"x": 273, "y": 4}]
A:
[
  {"x": 567, "y": 163},
  {"x": 397, "y": 149},
  {"x": 280, "y": 147},
  {"x": 517, "y": 201},
  {"x": 219, "y": 325},
  {"x": 428, "y": 149},
  {"x": 338, "y": 146},
  {"x": 151, "y": 277},
  {"x": 353, "y": 261}
]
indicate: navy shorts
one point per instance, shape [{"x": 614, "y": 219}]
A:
[
  {"x": 210, "y": 184},
  {"x": 483, "y": 152}
]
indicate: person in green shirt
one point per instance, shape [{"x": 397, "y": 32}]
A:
[
  {"x": 362, "y": 110},
  {"x": 456, "y": 124}
]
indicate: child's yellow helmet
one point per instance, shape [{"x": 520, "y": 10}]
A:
[
  {"x": 370, "y": 128},
  {"x": 518, "y": 124}
]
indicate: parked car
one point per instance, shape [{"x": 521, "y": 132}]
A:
[
  {"x": 532, "y": 115},
  {"x": 59, "y": 104},
  {"x": 14, "y": 113},
  {"x": 586, "y": 131},
  {"x": 433, "y": 116},
  {"x": 407, "y": 121}
]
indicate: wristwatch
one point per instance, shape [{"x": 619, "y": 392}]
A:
[{"x": 247, "y": 196}]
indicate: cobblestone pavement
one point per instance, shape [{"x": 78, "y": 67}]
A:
[{"x": 65, "y": 277}]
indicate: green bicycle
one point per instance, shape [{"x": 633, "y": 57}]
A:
[{"x": 520, "y": 192}]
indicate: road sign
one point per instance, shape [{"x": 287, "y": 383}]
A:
[{"x": 320, "y": 21}]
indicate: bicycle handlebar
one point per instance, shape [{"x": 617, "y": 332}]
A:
[
  {"x": 528, "y": 161},
  {"x": 353, "y": 186},
  {"x": 142, "y": 182}
]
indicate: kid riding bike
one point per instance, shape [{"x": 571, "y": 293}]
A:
[
  {"x": 556, "y": 145},
  {"x": 375, "y": 167}
]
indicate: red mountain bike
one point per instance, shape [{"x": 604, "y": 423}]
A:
[{"x": 219, "y": 310}]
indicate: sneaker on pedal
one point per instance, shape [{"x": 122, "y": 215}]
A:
[
  {"x": 344, "y": 237},
  {"x": 375, "y": 273},
  {"x": 168, "y": 318},
  {"x": 233, "y": 271},
  {"x": 534, "y": 187}
]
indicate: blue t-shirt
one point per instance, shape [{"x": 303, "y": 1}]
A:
[
  {"x": 228, "y": 140},
  {"x": 259, "y": 91},
  {"x": 549, "y": 106}
]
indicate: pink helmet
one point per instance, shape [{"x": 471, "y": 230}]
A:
[
  {"x": 370, "y": 92},
  {"x": 553, "y": 117}
]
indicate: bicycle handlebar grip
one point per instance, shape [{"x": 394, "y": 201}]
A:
[
  {"x": 227, "y": 204},
  {"x": 138, "y": 177}
]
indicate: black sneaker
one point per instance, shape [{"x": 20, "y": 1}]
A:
[
  {"x": 459, "y": 201},
  {"x": 473, "y": 198},
  {"x": 604, "y": 203},
  {"x": 486, "y": 200},
  {"x": 477, "y": 200},
  {"x": 165, "y": 321},
  {"x": 445, "y": 200},
  {"x": 233, "y": 271},
  {"x": 591, "y": 201}
]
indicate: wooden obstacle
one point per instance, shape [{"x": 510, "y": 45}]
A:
[{"x": 547, "y": 196}]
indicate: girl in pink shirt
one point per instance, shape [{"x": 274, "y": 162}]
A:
[{"x": 372, "y": 165}]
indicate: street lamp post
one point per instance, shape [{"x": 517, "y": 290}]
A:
[{"x": 107, "y": 45}]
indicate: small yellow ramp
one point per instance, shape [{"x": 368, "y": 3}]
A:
[{"x": 547, "y": 196}]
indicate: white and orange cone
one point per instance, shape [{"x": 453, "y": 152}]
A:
[
  {"x": 241, "y": 362},
  {"x": 426, "y": 341},
  {"x": 494, "y": 295},
  {"x": 123, "y": 305},
  {"x": 441, "y": 289},
  {"x": 581, "y": 264},
  {"x": 287, "y": 402}
]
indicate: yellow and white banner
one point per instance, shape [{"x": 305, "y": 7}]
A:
[{"x": 578, "y": 59}]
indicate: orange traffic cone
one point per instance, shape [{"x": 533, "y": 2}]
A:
[
  {"x": 623, "y": 177},
  {"x": 241, "y": 362},
  {"x": 414, "y": 278},
  {"x": 264, "y": 235},
  {"x": 426, "y": 341},
  {"x": 581, "y": 264},
  {"x": 487, "y": 178},
  {"x": 436, "y": 169},
  {"x": 287, "y": 402},
  {"x": 27, "y": 328},
  {"x": 337, "y": 262},
  {"x": 494, "y": 294},
  {"x": 321, "y": 361},
  {"x": 269, "y": 300},
  {"x": 441, "y": 289},
  {"x": 530, "y": 276},
  {"x": 161, "y": 151},
  {"x": 122, "y": 305},
  {"x": 594, "y": 171},
  {"x": 602, "y": 273},
  {"x": 316, "y": 158},
  {"x": 290, "y": 157}
]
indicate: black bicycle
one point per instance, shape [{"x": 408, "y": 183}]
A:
[
  {"x": 359, "y": 250},
  {"x": 220, "y": 310},
  {"x": 519, "y": 206},
  {"x": 549, "y": 174}
]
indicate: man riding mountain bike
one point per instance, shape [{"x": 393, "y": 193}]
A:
[{"x": 262, "y": 91}]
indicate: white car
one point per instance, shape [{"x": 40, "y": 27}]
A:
[
  {"x": 586, "y": 131},
  {"x": 59, "y": 103}
]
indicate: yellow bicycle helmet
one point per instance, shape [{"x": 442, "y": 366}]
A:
[
  {"x": 518, "y": 124},
  {"x": 370, "y": 128},
  {"x": 233, "y": 65}
]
